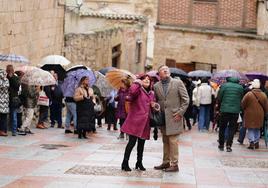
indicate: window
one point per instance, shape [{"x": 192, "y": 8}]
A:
[
  {"x": 116, "y": 53},
  {"x": 138, "y": 51}
]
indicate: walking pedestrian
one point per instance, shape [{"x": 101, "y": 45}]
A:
[
  {"x": 255, "y": 106},
  {"x": 229, "y": 96}
]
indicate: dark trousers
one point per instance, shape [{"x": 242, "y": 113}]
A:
[
  {"x": 55, "y": 114},
  {"x": 230, "y": 120},
  {"x": 195, "y": 113},
  {"x": 131, "y": 143},
  {"x": 242, "y": 133},
  {"x": 121, "y": 122},
  {"x": 19, "y": 119},
  {"x": 3, "y": 122},
  {"x": 99, "y": 118},
  {"x": 43, "y": 114}
]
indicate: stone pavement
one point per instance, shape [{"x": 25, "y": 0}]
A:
[{"x": 51, "y": 159}]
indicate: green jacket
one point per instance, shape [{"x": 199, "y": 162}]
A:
[{"x": 230, "y": 96}]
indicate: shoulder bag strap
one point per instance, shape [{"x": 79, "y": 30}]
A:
[{"x": 258, "y": 101}]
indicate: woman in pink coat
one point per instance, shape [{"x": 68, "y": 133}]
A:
[{"x": 136, "y": 124}]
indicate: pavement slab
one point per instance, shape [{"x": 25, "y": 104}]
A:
[{"x": 52, "y": 159}]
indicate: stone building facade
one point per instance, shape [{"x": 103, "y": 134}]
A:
[
  {"x": 110, "y": 33},
  {"x": 31, "y": 28},
  {"x": 212, "y": 34}
]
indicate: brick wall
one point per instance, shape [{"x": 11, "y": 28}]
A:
[
  {"x": 229, "y": 14},
  {"x": 32, "y": 28},
  {"x": 227, "y": 52}
]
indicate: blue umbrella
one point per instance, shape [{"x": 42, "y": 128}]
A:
[
  {"x": 199, "y": 73},
  {"x": 13, "y": 58},
  {"x": 178, "y": 72},
  {"x": 73, "y": 78},
  {"x": 105, "y": 70}
]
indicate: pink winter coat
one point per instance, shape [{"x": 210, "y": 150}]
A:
[{"x": 137, "y": 121}]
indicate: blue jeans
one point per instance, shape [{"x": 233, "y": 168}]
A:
[
  {"x": 13, "y": 119},
  {"x": 242, "y": 133},
  {"x": 254, "y": 135},
  {"x": 204, "y": 117},
  {"x": 71, "y": 112}
]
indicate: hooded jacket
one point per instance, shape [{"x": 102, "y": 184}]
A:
[{"x": 230, "y": 96}]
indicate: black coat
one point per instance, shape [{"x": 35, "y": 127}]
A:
[{"x": 85, "y": 114}]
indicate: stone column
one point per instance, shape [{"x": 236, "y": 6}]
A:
[{"x": 262, "y": 17}]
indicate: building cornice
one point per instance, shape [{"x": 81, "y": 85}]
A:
[{"x": 222, "y": 32}]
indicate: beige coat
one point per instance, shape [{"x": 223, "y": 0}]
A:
[
  {"x": 81, "y": 93},
  {"x": 175, "y": 102},
  {"x": 253, "y": 112}
]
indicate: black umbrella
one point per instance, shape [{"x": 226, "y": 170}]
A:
[
  {"x": 57, "y": 68},
  {"x": 105, "y": 70},
  {"x": 178, "y": 72}
]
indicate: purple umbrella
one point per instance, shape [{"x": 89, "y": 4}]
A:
[
  {"x": 73, "y": 78},
  {"x": 153, "y": 74},
  {"x": 257, "y": 75},
  {"x": 220, "y": 76}
]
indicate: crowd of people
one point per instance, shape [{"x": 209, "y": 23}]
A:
[{"x": 180, "y": 103}]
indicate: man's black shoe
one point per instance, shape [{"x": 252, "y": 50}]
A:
[
  {"x": 68, "y": 131},
  {"x": 221, "y": 148}
]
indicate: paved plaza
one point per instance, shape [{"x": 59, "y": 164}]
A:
[{"x": 52, "y": 159}]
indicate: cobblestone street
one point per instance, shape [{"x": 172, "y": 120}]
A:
[{"x": 51, "y": 159}]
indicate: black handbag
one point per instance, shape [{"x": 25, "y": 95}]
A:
[
  {"x": 157, "y": 119},
  {"x": 16, "y": 102}
]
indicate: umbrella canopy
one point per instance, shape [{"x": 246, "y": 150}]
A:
[
  {"x": 200, "y": 73},
  {"x": 76, "y": 67},
  {"x": 257, "y": 75},
  {"x": 103, "y": 85},
  {"x": 220, "y": 76},
  {"x": 54, "y": 59},
  {"x": 115, "y": 77},
  {"x": 6, "y": 59},
  {"x": 25, "y": 68},
  {"x": 177, "y": 72},
  {"x": 105, "y": 70},
  {"x": 38, "y": 77},
  {"x": 153, "y": 74},
  {"x": 57, "y": 68},
  {"x": 73, "y": 78}
]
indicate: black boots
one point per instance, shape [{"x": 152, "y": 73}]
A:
[
  {"x": 82, "y": 133},
  {"x": 139, "y": 166},
  {"x": 125, "y": 166},
  {"x": 85, "y": 134},
  {"x": 251, "y": 145}
]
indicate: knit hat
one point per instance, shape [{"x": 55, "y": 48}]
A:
[{"x": 256, "y": 84}]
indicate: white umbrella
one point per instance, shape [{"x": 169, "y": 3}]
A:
[
  {"x": 38, "y": 77},
  {"x": 53, "y": 60}
]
